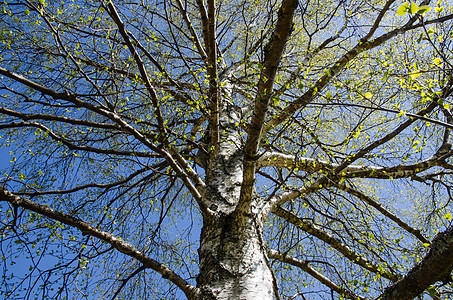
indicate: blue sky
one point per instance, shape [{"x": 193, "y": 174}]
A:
[{"x": 4, "y": 157}]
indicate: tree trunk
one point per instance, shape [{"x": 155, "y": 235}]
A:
[
  {"x": 232, "y": 254},
  {"x": 233, "y": 261}
]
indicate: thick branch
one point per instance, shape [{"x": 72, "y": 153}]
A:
[
  {"x": 336, "y": 68},
  {"x": 124, "y": 247},
  {"x": 321, "y": 278},
  {"x": 272, "y": 57},
  {"x": 383, "y": 211},
  {"x": 275, "y": 159},
  {"x": 197, "y": 194},
  {"x": 335, "y": 243},
  {"x": 436, "y": 266},
  {"x": 213, "y": 92},
  {"x": 307, "y": 164}
]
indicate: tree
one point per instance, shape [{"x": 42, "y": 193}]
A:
[{"x": 303, "y": 148}]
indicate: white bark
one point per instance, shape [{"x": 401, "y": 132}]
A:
[
  {"x": 232, "y": 254},
  {"x": 233, "y": 263},
  {"x": 275, "y": 159}
]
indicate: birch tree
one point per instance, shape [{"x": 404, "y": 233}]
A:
[{"x": 218, "y": 149}]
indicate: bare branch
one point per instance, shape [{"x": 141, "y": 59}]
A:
[
  {"x": 378, "y": 20},
  {"x": 382, "y": 210},
  {"x": 124, "y": 281},
  {"x": 116, "y": 18},
  {"x": 86, "y": 186},
  {"x": 72, "y": 146},
  {"x": 192, "y": 31},
  {"x": 62, "y": 119},
  {"x": 124, "y": 247},
  {"x": 335, "y": 243},
  {"x": 274, "y": 254}
]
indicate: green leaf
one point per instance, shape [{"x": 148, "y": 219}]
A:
[
  {"x": 448, "y": 216},
  {"x": 27, "y": 12},
  {"x": 423, "y": 9},
  {"x": 415, "y": 74},
  {"x": 413, "y": 8},
  {"x": 402, "y": 10},
  {"x": 437, "y": 61},
  {"x": 432, "y": 291},
  {"x": 439, "y": 9}
]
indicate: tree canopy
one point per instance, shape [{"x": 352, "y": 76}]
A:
[{"x": 221, "y": 149}]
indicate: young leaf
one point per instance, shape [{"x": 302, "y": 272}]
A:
[
  {"x": 423, "y": 9},
  {"x": 415, "y": 74},
  {"x": 437, "y": 61},
  {"x": 413, "y": 8},
  {"x": 402, "y": 10}
]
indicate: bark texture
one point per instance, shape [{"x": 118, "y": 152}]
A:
[
  {"x": 435, "y": 266},
  {"x": 233, "y": 259},
  {"x": 233, "y": 262}
]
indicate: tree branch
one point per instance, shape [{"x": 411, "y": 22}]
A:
[
  {"x": 281, "y": 160},
  {"x": 192, "y": 31},
  {"x": 61, "y": 119},
  {"x": 335, "y": 243},
  {"x": 124, "y": 247},
  {"x": 383, "y": 211},
  {"x": 73, "y": 146},
  {"x": 124, "y": 281},
  {"x": 274, "y": 254},
  {"x": 86, "y": 186},
  {"x": 436, "y": 266},
  {"x": 138, "y": 60},
  {"x": 213, "y": 91},
  {"x": 197, "y": 194},
  {"x": 336, "y": 68},
  {"x": 272, "y": 57}
]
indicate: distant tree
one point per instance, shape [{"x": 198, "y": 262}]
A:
[{"x": 238, "y": 149}]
